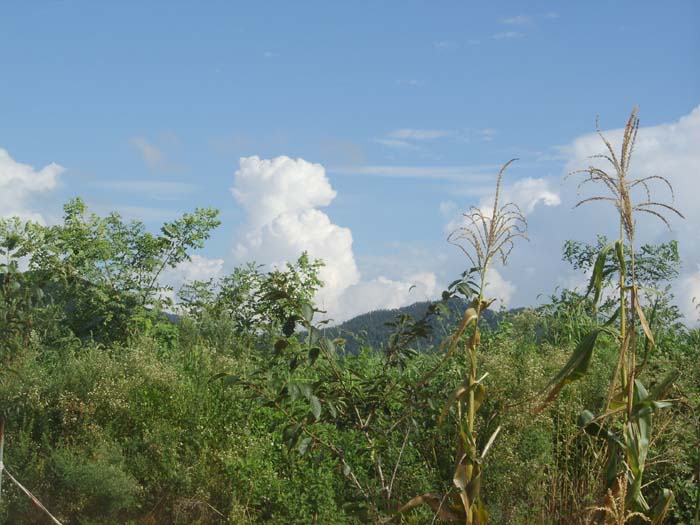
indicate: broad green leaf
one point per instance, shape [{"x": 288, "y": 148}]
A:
[
  {"x": 313, "y": 354},
  {"x": 226, "y": 378},
  {"x": 327, "y": 345},
  {"x": 315, "y": 407},
  {"x": 280, "y": 345},
  {"x": 307, "y": 312},
  {"x": 331, "y": 408},
  {"x": 304, "y": 445},
  {"x": 305, "y": 390},
  {"x": 293, "y": 390},
  {"x": 291, "y": 434}
]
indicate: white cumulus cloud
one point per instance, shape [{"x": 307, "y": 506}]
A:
[
  {"x": 529, "y": 192},
  {"x": 268, "y": 188},
  {"x": 526, "y": 193},
  {"x": 19, "y": 183},
  {"x": 198, "y": 268},
  {"x": 282, "y": 197},
  {"x": 688, "y": 295},
  {"x": 386, "y": 294},
  {"x": 498, "y": 288}
]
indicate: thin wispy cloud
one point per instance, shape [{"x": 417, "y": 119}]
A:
[
  {"x": 507, "y": 35},
  {"x": 150, "y": 154},
  {"x": 408, "y": 138},
  {"x": 137, "y": 213},
  {"x": 152, "y": 187},
  {"x": 396, "y": 143},
  {"x": 520, "y": 24},
  {"x": 419, "y": 134},
  {"x": 487, "y": 134},
  {"x": 519, "y": 20},
  {"x": 476, "y": 173},
  {"x": 445, "y": 45}
]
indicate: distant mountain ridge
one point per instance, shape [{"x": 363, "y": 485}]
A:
[{"x": 370, "y": 329}]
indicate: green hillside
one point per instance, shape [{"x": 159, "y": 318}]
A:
[{"x": 372, "y": 329}]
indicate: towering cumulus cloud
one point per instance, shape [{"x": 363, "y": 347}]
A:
[
  {"x": 20, "y": 182},
  {"x": 282, "y": 197}
]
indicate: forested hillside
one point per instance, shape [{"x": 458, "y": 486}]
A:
[
  {"x": 245, "y": 409},
  {"x": 373, "y": 329}
]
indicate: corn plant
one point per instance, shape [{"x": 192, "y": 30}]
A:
[
  {"x": 628, "y": 399},
  {"x": 486, "y": 234}
]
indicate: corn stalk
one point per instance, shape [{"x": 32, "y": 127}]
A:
[
  {"x": 486, "y": 234},
  {"x": 627, "y": 397}
]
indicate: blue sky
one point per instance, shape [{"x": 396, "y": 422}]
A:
[{"x": 409, "y": 107}]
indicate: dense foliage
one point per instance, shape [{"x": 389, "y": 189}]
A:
[
  {"x": 246, "y": 409},
  {"x": 243, "y": 411}
]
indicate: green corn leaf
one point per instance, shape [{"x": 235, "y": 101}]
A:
[
  {"x": 660, "y": 390},
  {"x": 577, "y": 365},
  {"x": 596, "y": 283},
  {"x": 592, "y": 427},
  {"x": 461, "y": 392},
  {"x": 620, "y": 252},
  {"x": 489, "y": 443},
  {"x": 613, "y": 317},
  {"x": 645, "y": 324}
]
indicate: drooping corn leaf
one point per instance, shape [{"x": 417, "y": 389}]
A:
[
  {"x": 645, "y": 324},
  {"x": 661, "y": 506},
  {"x": 591, "y": 426},
  {"x": 577, "y": 365},
  {"x": 460, "y": 393},
  {"x": 436, "y": 502}
]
